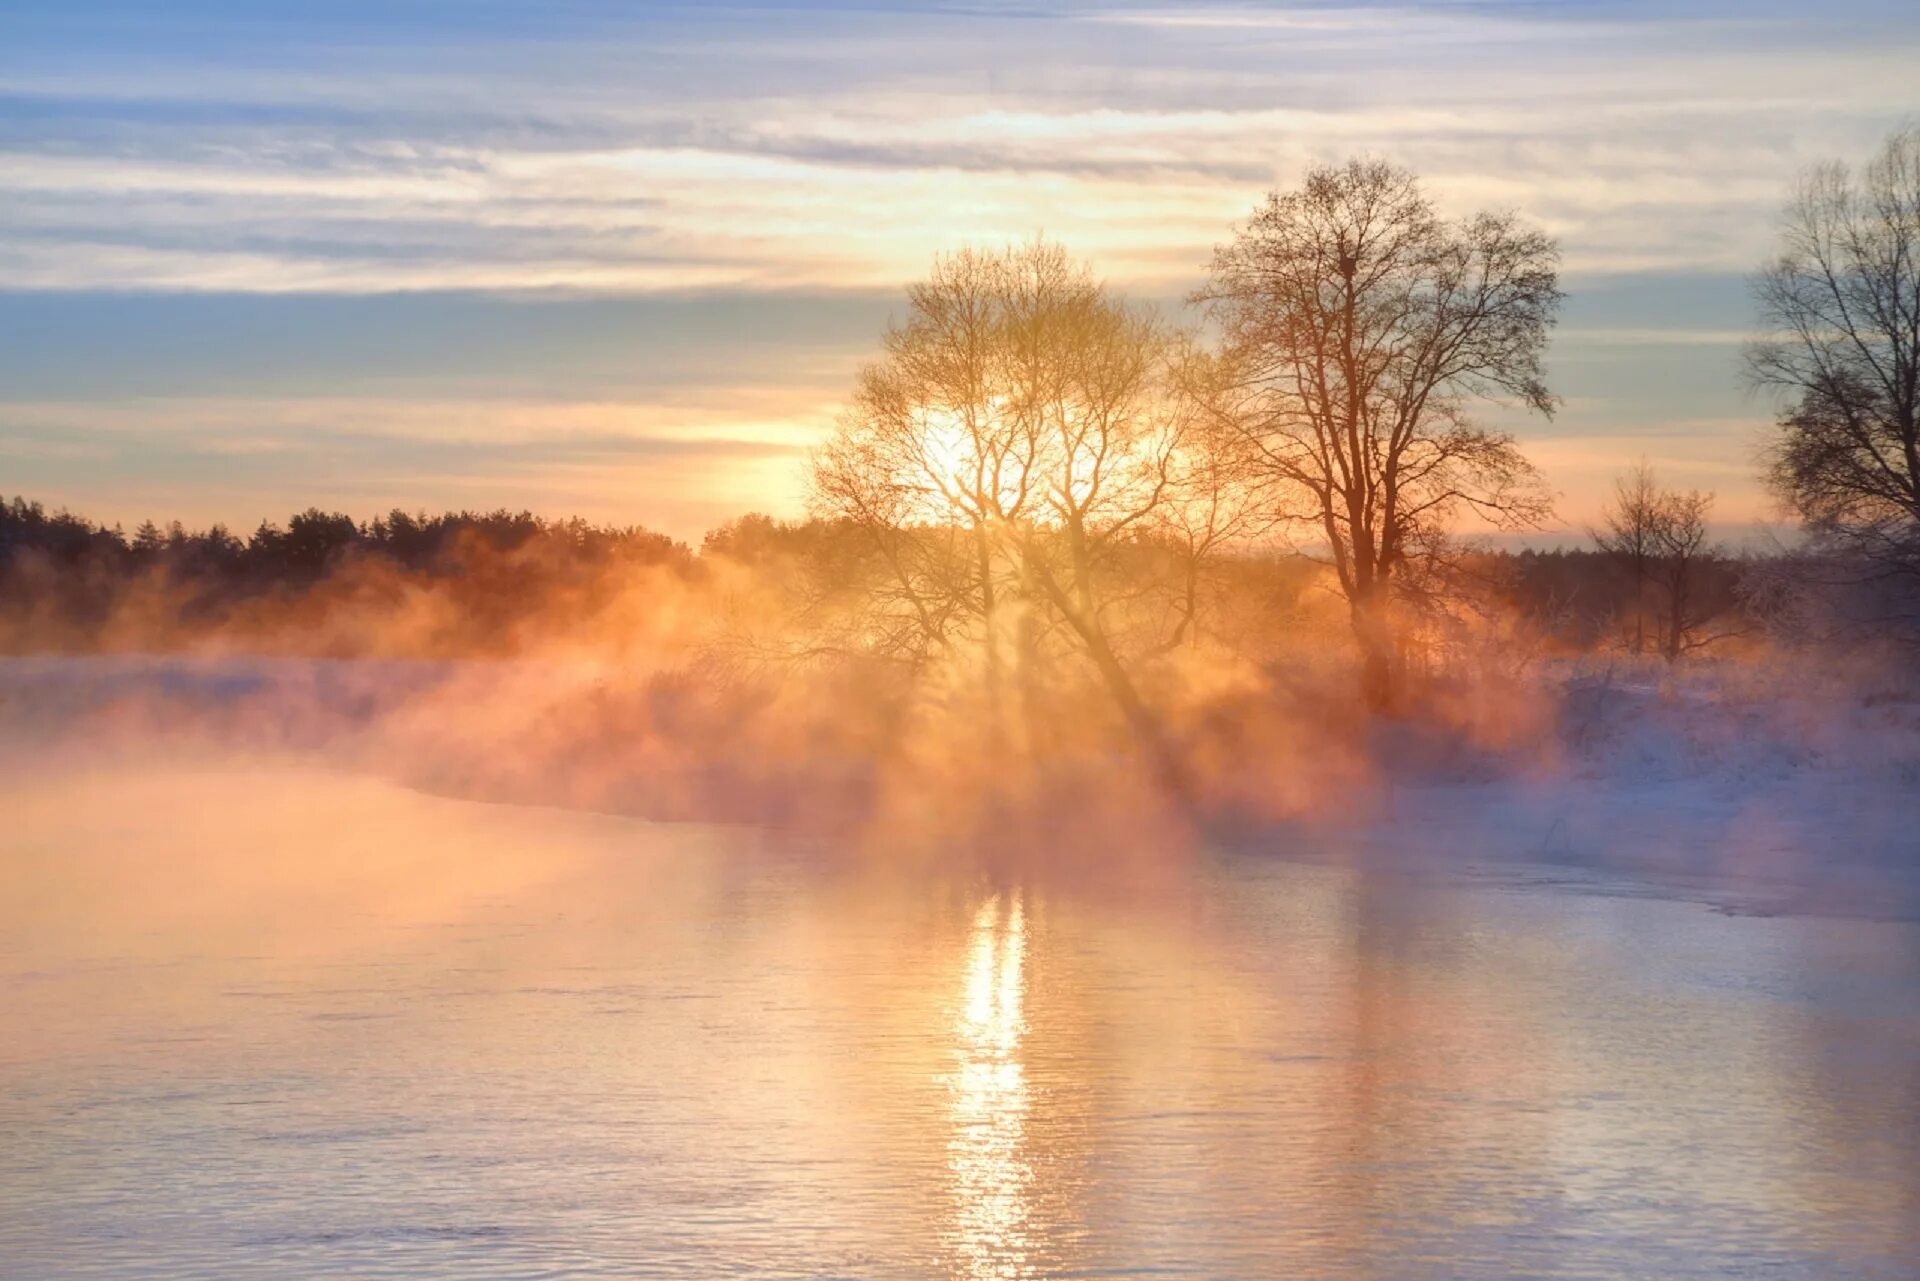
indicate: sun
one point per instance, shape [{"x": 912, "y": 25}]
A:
[{"x": 949, "y": 455}]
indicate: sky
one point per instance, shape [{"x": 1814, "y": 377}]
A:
[{"x": 624, "y": 260}]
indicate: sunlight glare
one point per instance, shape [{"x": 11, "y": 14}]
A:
[{"x": 986, "y": 1153}]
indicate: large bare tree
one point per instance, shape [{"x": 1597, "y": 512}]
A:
[
  {"x": 1840, "y": 310},
  {"x": 1359, "y": 326},
  {"x": 1019, "y": 435}
]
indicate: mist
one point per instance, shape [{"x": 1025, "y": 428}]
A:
[{"x": 618, "y": 672}]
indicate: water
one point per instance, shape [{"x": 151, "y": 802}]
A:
[{"x": 273, "y": 1023}]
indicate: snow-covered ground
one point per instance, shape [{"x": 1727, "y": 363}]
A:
[{"x": 1756, "y": 788}]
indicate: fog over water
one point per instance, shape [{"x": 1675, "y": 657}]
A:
[{"x": 270, "y": 1019}]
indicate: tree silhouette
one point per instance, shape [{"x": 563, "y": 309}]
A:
[
  {"x": 1658, "y": 537},
  {"x": 1022, "y": 432},
  {"x": 1359, "y": 326},
  {"x": 1840, "y": 310}
]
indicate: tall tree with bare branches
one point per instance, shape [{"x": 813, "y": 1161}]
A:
[
  {"x": 1840, "y": 311},
  {"x": 1018, "y": 436},
  {"x": 1359, "y": 327}
]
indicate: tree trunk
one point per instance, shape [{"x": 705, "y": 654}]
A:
[{"x": 1374, "y": 632}]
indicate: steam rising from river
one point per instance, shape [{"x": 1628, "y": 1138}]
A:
[{"x": 717, "y": 695}]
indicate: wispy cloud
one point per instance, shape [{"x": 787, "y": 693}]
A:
[
  {"x": 1655, "y": 337},
  {"x": 676, "y": 148},
  {"x": 240, "y": 461}
]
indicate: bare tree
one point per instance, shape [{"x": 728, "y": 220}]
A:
[
  {"x": 1840, "y": 310},
  {"x": 1658, "y": 537},
  {"x": 1359, "y": 326},
  {"x": 1686, "y": 606},
  {"x": 1216, "y": 505},
  {"x": 1630, "y": 534},
  {"x": 1019, "y": 435}
]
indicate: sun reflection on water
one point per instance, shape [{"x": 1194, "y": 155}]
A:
[{"x": 986, "y": 1153}]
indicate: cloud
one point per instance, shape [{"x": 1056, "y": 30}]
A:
[
  {"x": 1655, "y": 337},
  {"x": 663, "y": 150},
  {"x": 241, "y": 461}
]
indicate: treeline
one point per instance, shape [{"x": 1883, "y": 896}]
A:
[
  {"x": 1590, "y": 600},
  {"x": 312, "y": 541},
  {"x": 69, "y": 582},
  {"x": 456, "y": 582}
]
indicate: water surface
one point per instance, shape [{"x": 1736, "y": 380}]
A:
[{"x": 280, "y": 1023}]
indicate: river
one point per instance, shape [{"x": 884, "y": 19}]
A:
[{"x": 268, "y": 1021}]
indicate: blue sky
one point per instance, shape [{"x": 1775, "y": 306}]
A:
[{"x": 623, "y": 260}]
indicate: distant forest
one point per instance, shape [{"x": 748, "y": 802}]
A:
[
  {"x": 70, "y": 583},
  {"x": 502, "y": 582}
]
